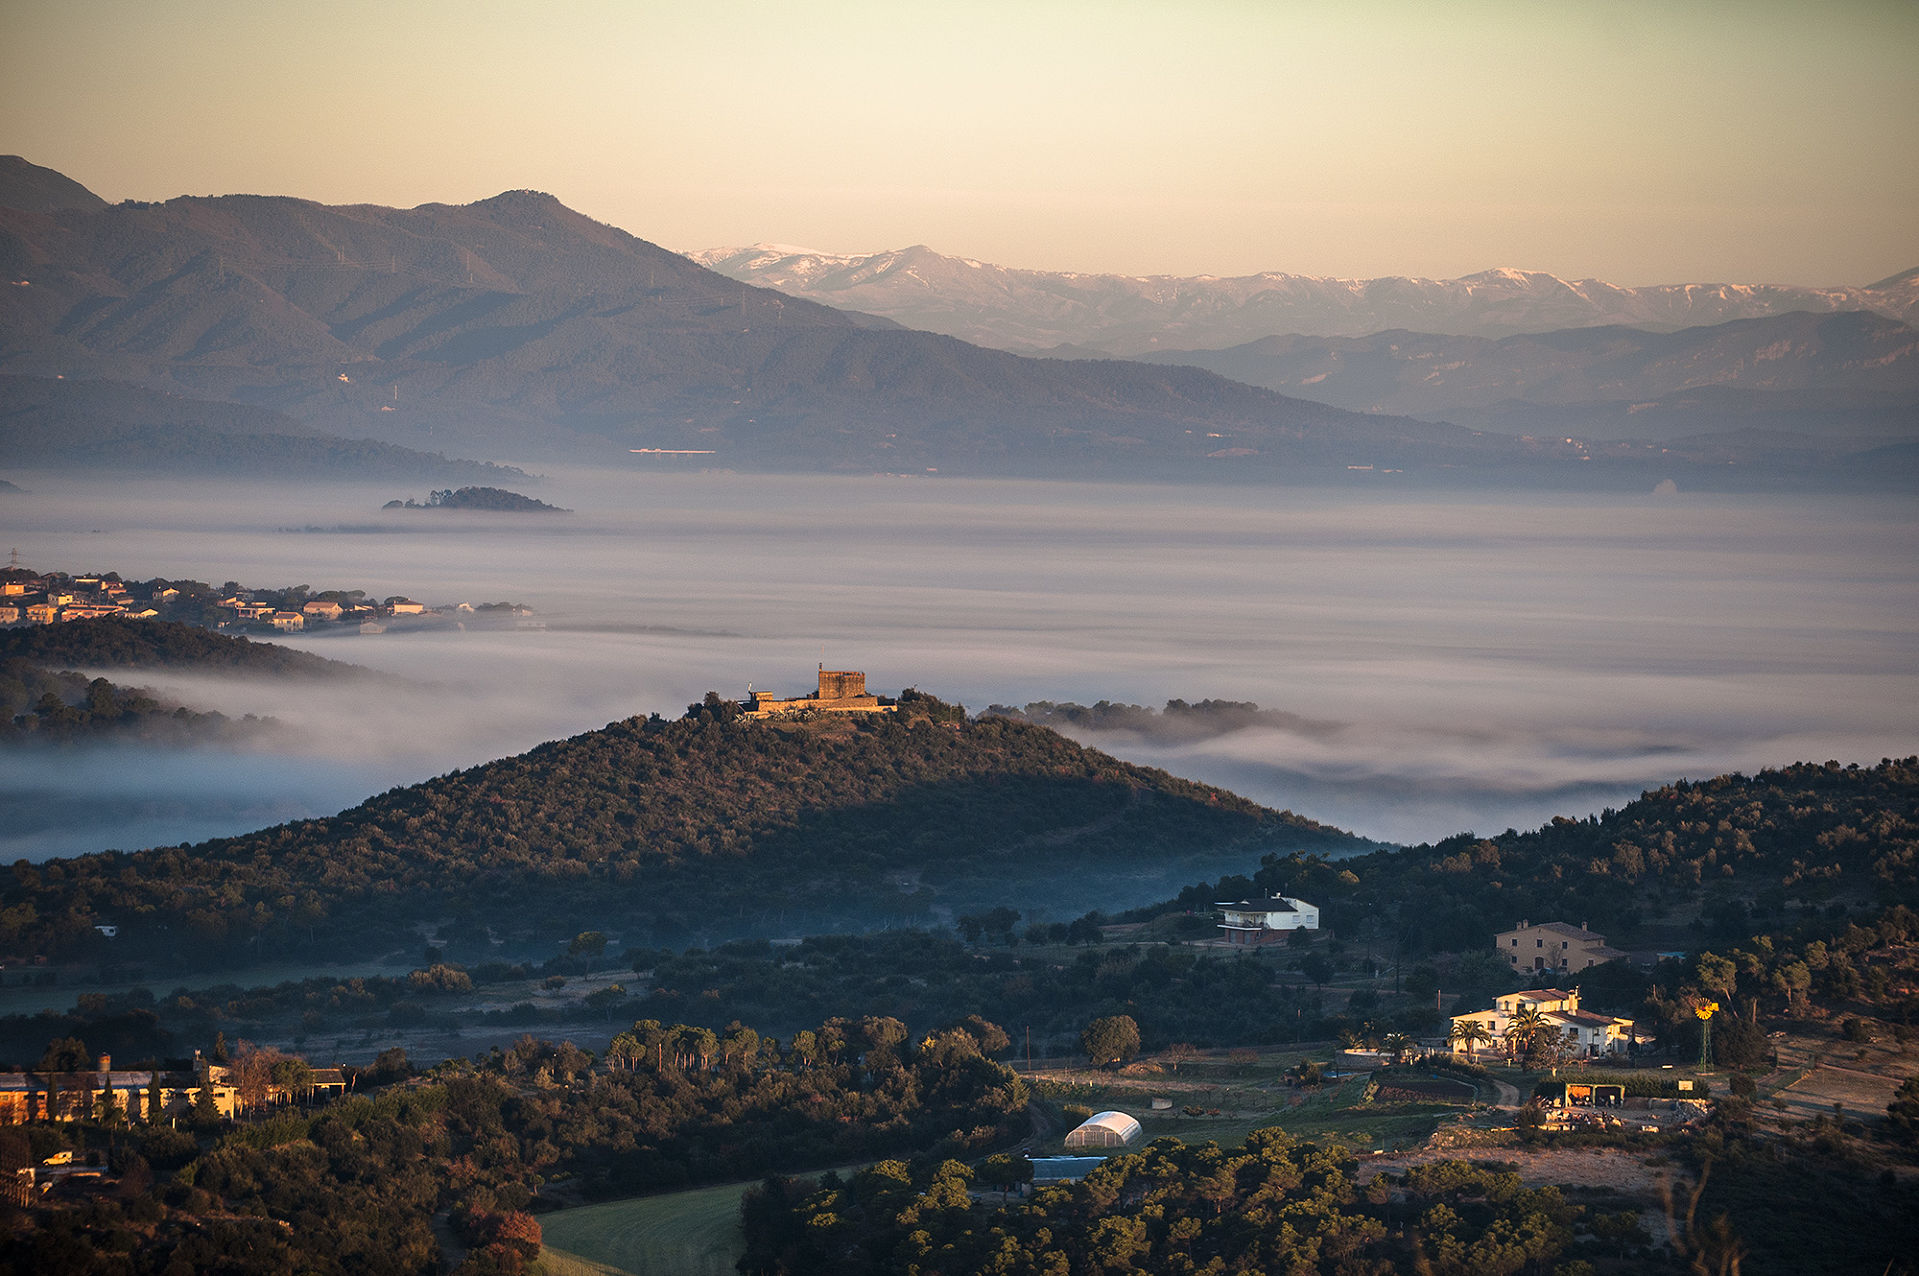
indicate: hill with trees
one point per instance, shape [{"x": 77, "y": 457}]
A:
[
  {"x": 1736, "y": 852},
  {"x": 107, "y": 642},
  {"x": 492, "y": 499},
  {"x": 710, "y": 826}
]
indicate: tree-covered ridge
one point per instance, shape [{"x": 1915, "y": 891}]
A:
[
  {"x": 1734, "y": 851},
  {"x": 1276, "y": 1206},
  {"x": 64, "y": 707},
  {"x": 1178, "y": 723},
  {"x": 354, "y": 1189},
  {"x": 647, "y": 825},
  {"x": 477, "y": 498},
  {"x": 110, "y": 642}
]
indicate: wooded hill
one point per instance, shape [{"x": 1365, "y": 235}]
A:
[
  {"x": 1742, "y": 853},
  {"x": 43, "y": 700},
  {"x": 707, "y": 827},
  {"x": 109, "y": 643}
]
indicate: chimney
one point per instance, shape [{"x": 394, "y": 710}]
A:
[
  {"x": 1583, "y": 926},
  {"x": 106, "y": 1064}
]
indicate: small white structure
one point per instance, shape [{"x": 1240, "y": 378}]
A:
[
  {"x": 1266, "y": 921},
  {"x": 1104, "y": 1130}
]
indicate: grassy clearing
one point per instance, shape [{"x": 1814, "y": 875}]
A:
[
  {"x": 693, "y": 1233},
  {"x": 1236, "y": 1098}
]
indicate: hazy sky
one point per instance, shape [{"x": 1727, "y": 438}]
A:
[{"x": 1640, "y": 143}]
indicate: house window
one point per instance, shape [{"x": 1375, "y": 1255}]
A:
[{"x": 1539, "y": 943}]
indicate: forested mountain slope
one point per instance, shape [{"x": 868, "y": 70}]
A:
[
  {"x": 118, "y": 428},
  {"x": 708, "y": 826},
  {"x": 1740, "y": 852}
]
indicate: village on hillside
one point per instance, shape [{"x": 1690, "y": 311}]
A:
[{"x": 29, "y": 597}]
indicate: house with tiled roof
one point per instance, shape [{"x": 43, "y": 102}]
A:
[
  {"x": 1546, "y": 946},
  {"x": 1587, "y": 1035}
]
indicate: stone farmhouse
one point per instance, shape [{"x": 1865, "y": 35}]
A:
[
  {"x": 840, "y": 691},
  {"x": 1553, "y": 946},
  {"x": 1266, "y": 921}
]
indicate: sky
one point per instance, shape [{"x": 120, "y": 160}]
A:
[{"x": 1634, "y": 142}]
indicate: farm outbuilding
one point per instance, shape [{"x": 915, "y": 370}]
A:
[{"x": 1104, "y": 1130}]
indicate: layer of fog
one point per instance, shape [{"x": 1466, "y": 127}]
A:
[{"x": 1486, "y": 662}]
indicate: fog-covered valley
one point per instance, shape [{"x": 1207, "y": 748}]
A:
[{"x": 1457, "y": 661}]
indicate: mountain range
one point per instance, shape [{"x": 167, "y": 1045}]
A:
[
  {"x": 517, "y": 327},
  {"x": 1853, "y": 372},
  {"x": 1040, "y": 310}
]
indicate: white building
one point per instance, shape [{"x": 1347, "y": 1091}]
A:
[
  {"x": 1104, "y": 1130},
  {"x": 1587, "y": 1035},
  {"x": 1266, "y": 921}
]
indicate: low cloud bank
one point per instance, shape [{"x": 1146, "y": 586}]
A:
[{"x": 1402, "y": 667}]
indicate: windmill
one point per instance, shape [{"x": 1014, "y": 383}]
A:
[{"x": 1705, "y": 1010}]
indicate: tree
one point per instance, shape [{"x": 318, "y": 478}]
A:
[
  {"x": 1111, "y": 1040},
  {"x": 66, "y": 1054},
  {"x": 991, "y": 1037},
  {"x": 1717, "y": 974},
  {"x": 588, "y": 944},
  {"x": 1006, "y": 1171},
  {"x": 1902, "y": 1114},
  {"x": 1524, "y": 1032},
  {"x": 206, "y": 1111}
]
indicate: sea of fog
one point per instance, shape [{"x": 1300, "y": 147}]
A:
[{"x": 1462, "y": 661}]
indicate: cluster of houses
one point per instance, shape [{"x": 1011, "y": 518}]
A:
[
  {"x": 249, "y": 609},
  {"x": 27, "y": 598},
  {"x": 148, "y": 1094},
  {"x": 1531, "y": 950},
  {"x": 1558, "y": 948}
]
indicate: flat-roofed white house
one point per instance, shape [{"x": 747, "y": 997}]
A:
[
  {"x": 1104, "y": 1130},
  {"x": 1265, "y": 921}
]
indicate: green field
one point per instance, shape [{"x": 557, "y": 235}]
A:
[
  {"x": 694, "y": 1233},
  {"x": 1248, "y": 1096}
]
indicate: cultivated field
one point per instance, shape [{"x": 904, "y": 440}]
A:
[{"x": 694, "y": 1233}]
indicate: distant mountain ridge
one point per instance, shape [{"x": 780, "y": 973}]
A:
[
  {"x": 1038, "y": 310},
  {"x": 515, "y": 322},
  {"x": 517, "y": 326},
  {"x": 1853, "y": 370},
  {"x": 116, "y": 428}
]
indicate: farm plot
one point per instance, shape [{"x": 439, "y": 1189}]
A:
[{"x": 693, "y": 1233}]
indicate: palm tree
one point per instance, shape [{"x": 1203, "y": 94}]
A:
[
  {"x": 1477, "y": 1035},
  {"x": 1398, "y": 1044},
  {"x": 1525, "y": 1030}
]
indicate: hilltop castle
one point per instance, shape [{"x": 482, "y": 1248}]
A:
[{"x": 840, "y": 691}]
